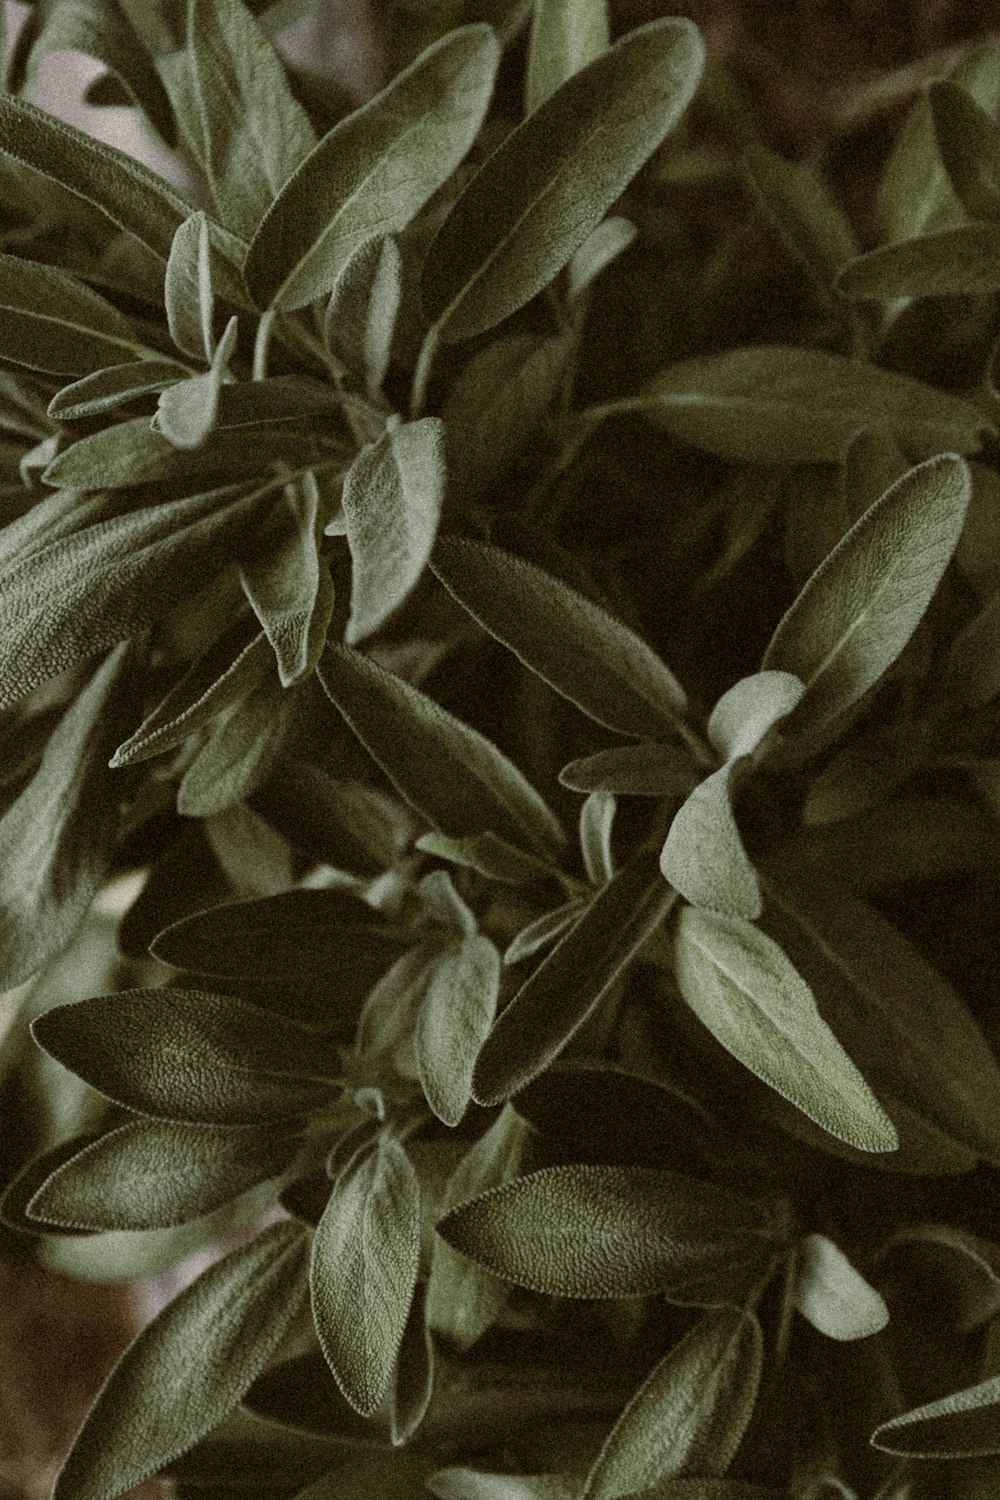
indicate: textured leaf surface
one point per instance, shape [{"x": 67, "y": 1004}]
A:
[
  {"x": 962, "y": 260},
  {"x": 288, "y": 582},
  {"x": 832, "y": 1295},
  {"x": 455, "y": 1015},
  {"x": 963, "y": 1424},
  {"x": 566, "y": 35},
  {"x": 703, "y": 857},
  {"x": 50, "y": 321},
  {"x": 111, "y": 387}
]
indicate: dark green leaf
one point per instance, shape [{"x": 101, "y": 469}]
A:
[
  {"x": 50, "y": 321},
  {"x": 456, "y": 1012},
  {"x": 963, "y": 1424},
  {"x": 188, "y": 1368},
  {"x": 969, "y": 144},
  {"x": 490, "y": 855},
  {"x": 361, "y": 314},
  {"x": 543, "y": 191},
  {"x": 566, "y": 35},
  {"x": 962, "y": 260},
  {"x": 189, "y": 290},
  {"x": 185, "y": 413},
  {"x": 288, "y": 583},
  {"x": 644, "y": 770},
  {"x": 374, "y": 171},
  {"x": 602, "y": 246},
  {"x": 365, "y": 1257},
  {"x": 239, "y": 752},
  {"x": 107, "y": 389},
  {"x": 412, "y": 1385},
  {"x": 832, "y": 1295},
  {"x": 450, "y": 773},
  {"x": 972, "y": 669},
  {"x": 798, "y": 202}
]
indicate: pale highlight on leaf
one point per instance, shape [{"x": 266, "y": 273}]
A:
[
  {"x": 963, "y": 1424},
  {"x": 566, "y": 35},
  {"x": 833, "y": 1296},
  {"x": 703, "y": 856},
  {"x": 188, "y": 290},
  {"x": 455, "y": 1016}
]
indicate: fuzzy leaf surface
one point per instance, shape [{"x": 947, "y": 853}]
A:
[
  {"x": 566, "y": 35},
  {"x": 50, "y": 321},
  {"x": 455, "y": 1016},
  {"x": 961, "y": 260},
  {"x": 963, "y": 1424},
  {"x": 115, "y": 385},
  {"x": 833, "y": 1296}
]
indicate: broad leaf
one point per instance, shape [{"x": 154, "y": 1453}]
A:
[
  {"x": 832, "y": 1295},
  {"x": 603, "y": 245},
  {"x": 361, "y": 315},
  {"x": 189, "y": 290},
  {"x": 747, "y": 711},
  {"x": 374, "y": 171},
  {"x": 288, "y": 582},
  {"x": 186, "y": 412},
  {"x": 188, "y": 1368},
  {"x": 50, "y": 321},
  {"x": 363, "y": 1272},
  {"x": 743, "y": 987},
  {"x": 963, "y": 1424},
  {"x": 969, "y": 143},
  {"x": 574, "y": 645},
  {"x": 690, "y": 1413},
  {"x": 450, "y": 773},
  {"x": 239, "y": 752},
  {"x": 114, "y": 386},
  {"x": 962, "y": 260},
  {"x": 455, "y": 1015},
  {"x": 566, "y": 35},
  {"x": 703, "y": 856},
  {"x": 549, "y": 184}
]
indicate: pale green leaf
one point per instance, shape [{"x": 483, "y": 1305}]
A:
[
  {"x": 798, "y": 202},
  {"x": 566, "y": 35},
  {"x": 455, "y": 1015},
  {"x": 288, "y": 583},
  {"x": 471, "y": 1484},
  {"x": 361, "y": 315},
  {"x": 188, "y": 1368},
  {"x": 603, "y": 245},
  {"x": 574, "y": 645},
  {"x": 645, "y": 770},
  {"x": 114, "y": 386},
  {"x": 372, "y": 173},
  {"x": 833, "y": 1296},
  {"x": 363, "y": 1272},
  {"x": 450, "y": 773},
  {"x": 186, "y": 412},
  {"x": 703, "y": 856},
  {"x": 963, "y": 1424},
  {"x": 51, "y": 321},
  {"x": 690, "y": 1413},
  {"x": 239, "y": 751},
  {"x": 597, "y": 817},
  {"x": 969, "y": 143},
  {"x": 393, "y": 496},
  {"x": 746, "y": 712},
  {"x": 189, "y": 291},
  {"x": 961, "y": 260},
  {"x": 549, "y": 184},
  {"x": 745, "y": 989}
]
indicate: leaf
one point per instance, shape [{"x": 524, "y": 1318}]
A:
[
  {"x": 746, "y": 712},
  {"x": 255, "y": 132},
  {"x": 644, "y": 770},
  {"x": 863, "y": 603},
  {"x": 393, "y": 495},
  {"x": 288, "y": 582},
  {"x": 185, "y": 413},
  {"x": 969, "y": 144},
  {"x": 363, "y": 1272},
  {"x": 455, "y": 1015},
  {"x": 603, "y": 245},
  {"x": 188, "y": 1368},
  {"x": 739, "y": 982},
  {"x": 152, "y": 1174},
  {"x": 961, "y": 260},
  {"x": 412, "y": 1385},
  {"x": 361, "y": 315},
  {"x": 798, "y": 203},
  {"x": 489, "y": 855},
  {"x": 445, "y": 906},
  {"x": 238, "y": 753},
  {"x": 450, "y": 773},
  {"x": 552, "y": 180},
  {"x": 189, "y": 291},
  {"x": 703, "y": 857},
  {"x": 50, "y": 321},
  {"x": 189, "y": 1056},
  {"x": 574, "y": 645},
  {"x": 589, "y": 1231},
  {"x": 470, "y": 1484},
  {"x": 568, "y": 985},
  {"x": 776, "y": 404},
  {"x": 832, "y": 1295},
  {"x": 963, "y": 1424},
  {"x": 374, "y": 171},
  {"x": 566, "y": 35},
  {"x": 597, "y": 816},
  {"x": 114, "y": 386},
  {"x": 691, "y": 1411}
]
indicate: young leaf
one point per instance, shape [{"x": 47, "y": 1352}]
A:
[
  {"x": 776, "y": 404},
  {"x": 372, "y": 173},
  {"x": 690, "y": 1413},
  {"x": 189, "y": 1056},
  {"x": 365, "y": 1257},
  {"x": 832, "y": 1295},
  {"x": 189, "y": 291},
  {"x": 566, "y": 35},
  {"x": 568, "y": 985},
  {"x": 969, "y": 143},
  {"x": 863, "y": 603},
  {"x": 185, "y": 413},
  {"x": 393, "y": 495},
  {"x": 107, "y": 389},
  {"x": 742, "y": 986},
  {"x": 589, "y": 1231},
  {"x": 597, "y": 817},
  {"x": 703, "y": 856},
  {"x": 799, "y": 204},
  {"x": 364, "y": 304},
  {"x": 574, "y": 645},
  {"x": 189, "y": 1367},
  {"x": 288, "y": 583},
  {"x": 961, "y": 260},
  {"x": 963, "y": 1424},
  {"x": 455, "y": 1015},
  {"x": 549, "y": 184},
  {"x": 644, "y": 770},
  {"x": 255, "y": 133},
  {"x": 239, "y": 752},
  {"x": 450, "y": 773},
  {"x": 153, "y": 1174},
  {"x": 50, "y": 321}
]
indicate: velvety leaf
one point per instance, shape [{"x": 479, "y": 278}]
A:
[
  {"x": 363, "y": 1272},
  {"x": 603, "y": 245},
  {"x": 552, "y": 1005},
  {"x": 776, "y": 404},
  {"x": 185, "y": 412},
  {"x": 703, "y": 857},
  {"x": 50, "y": 321},
  {"x": 393, "y": 495},
  {"x": 739, "y": 982},
  {"x": 799, "y": 204},
  {"x": 645, "y": 770},
  {"x": 189, "y": 290},
  {"x": 963, "y": 1424},
  {"x": 552, "y": 180},
  {"x": 240, "y": 748},
  {"x": 115, "y": 385},
  {"x": 566, "y": 35},
  {"x": 470, "y": 1484},
  {"x": 749, "y": 709},
  {"x": 153, "y": 1174},
  {"x": 574, "y": 645},
  {"x": 412, "y": 1385},
  {"x": 361, "y": 314},
  {"x": 588, "y": 1231},
  {"x": 374, "y": 171},
  {"x": 959, "y": 1271},
  {"x": 190, "y": 1056},
  {"x": 962, "y": 260},
  {"x": 450, "y": 773},
  {"x": 288, "y": 583},
  {"x": 255, "y": 132},
  {"x": 691, "y": 1411},
  {"x": 490, "y": 855},
  {"x": 445, "y": 906},
  {"x": 455, "y": 1015},
  {"x": 832, "y": 1295},
  {"x": 863, "y": 603},
  {"x": 969, "y": 144},
  {"x": 342, "y": 822},
  {"x": 597, "y": 817},
  {"x": 189, "y": 1367}
]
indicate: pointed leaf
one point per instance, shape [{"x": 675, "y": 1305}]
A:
[
  {"x": 239, "y": 752},
  {"x": 412, "y": 1386},
  {"x": 749, "y": 709},
  {"x": 962, "y": 260},
  {"x": 189, "y": 292},
  {"x": 114, "y": 386},
  {"x": 185, "y": 413},
  {"x": 703, "y": 856},
  {"x": 489, "y": 855},
  {"x": 832, "y": 1295},
  {"x": 963, "y": 1424},
  {"x": 597, "y": 817},
  {"x": 566, "y": 35},
  {"x": 364, "y": 304},
  {"x": 51, "y": 321},
  {"x": 288, "y": 583},
  {"x": 644, "y": 770},
  {"x": 455, "y": 1015},
  {"x": 969, "y": 143}
]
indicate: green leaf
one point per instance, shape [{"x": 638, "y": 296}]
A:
[
  {"x": 457, "y": 1011},
  {"x": 288, "y": 582},
  {"x": 644, "y": 770},
  {"x": 832, "y": 1295},
  {"x": 552, "y": 1005},
  {"x": 745, "y": 989},
  {"x": 188, "y": 1368},
  {"x": 154, "y": 1174},
  {"x": 372, "y": 173},
  {"x": 189, "y": 290},
  {"x": 777, "y": 404},
  {"x": 597, "y": 817},
  {"x": 393, "y": 496},
  {"x": 450, "y": 773},
  {"x": 961, "y": 260},
  {"x": 798, "y": 202},
  {"x": 963, "y": 1424},
  {"x": 972, "y": 670},
  {"x": 691, "y": 1411},
  {"x": 51, "y": 321},
  {"x": 969, "y": 143},
  {"x": 566, "y": 35},
  {"x": 412, "y": 1385},
  {"x": 703, "y": 856},
  {"x": 239, "y": 752},
  {"x": 189, "y": 1056},
  {"x": 255, "y": 132},
  {"x": 186, "y": 412},
  {"x": 365, "y": 1257},
  {"x": 361, "y": 315},
  {"x": 107, "y": 389},
  {"x": 549, "y": 184},
  {"x": 489, "y": 855},
  {"x": 863, "y": 603},
  {"x": 574, "y": 645},
  {"x": 747, "y": 711},
  {"x": 470, "y": 1484},
  {"x": 603, "y": 245},
  {"x": 589, "y": 1231},
  {"x": 445, "y": 906}
]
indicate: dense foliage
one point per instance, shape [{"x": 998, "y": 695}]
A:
[{"x": 501, "y": 594}]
